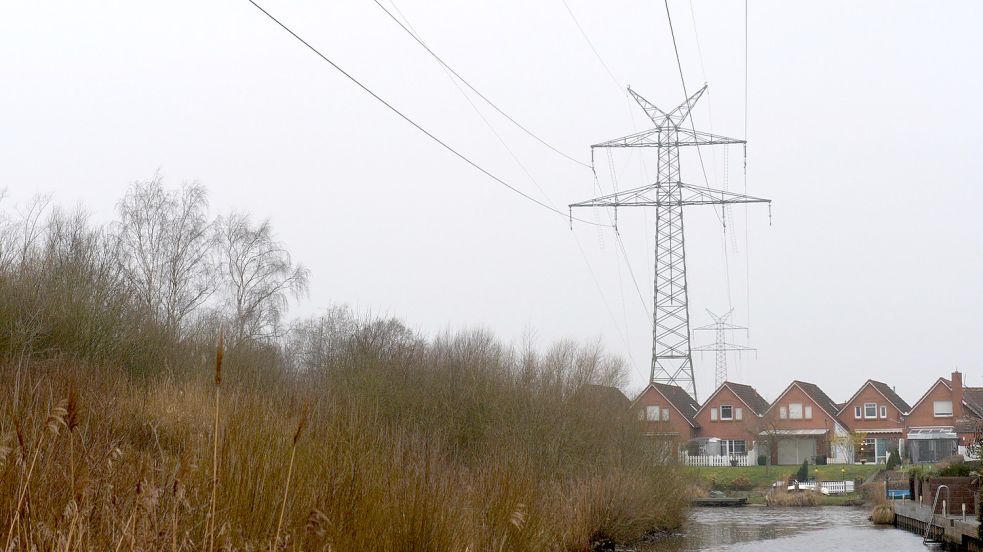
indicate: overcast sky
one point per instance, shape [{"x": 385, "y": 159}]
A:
[{"x": 864, "y": 126}]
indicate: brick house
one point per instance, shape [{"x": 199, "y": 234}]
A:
[
  {"x": 944, "y": 420},
  {"x": 876, "y": 414},
  {"x": 802, "y": 424},
  {"x": 729, "y": 420},
  {"x": 667, "y": 410}
]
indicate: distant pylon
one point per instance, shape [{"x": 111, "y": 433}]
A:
[
  {"x": 672, "y": 359},
  {"x": 720, "y": 346}
]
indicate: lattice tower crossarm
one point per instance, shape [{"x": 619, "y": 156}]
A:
[{"x": 672, "y": 361}]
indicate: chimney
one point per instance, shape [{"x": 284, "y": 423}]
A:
[{"x": 957, "y": 395}]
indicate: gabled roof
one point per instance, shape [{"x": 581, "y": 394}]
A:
[
  {"x": 747, "y": 394},
  {"x": 942, "y": 381},
  {"x": 891, "y": 396},
  {"x": 677, "y": 398},
  {"x": 973, "y": 399},
  {"x": 817, "y": 395},
  {"x": 885, "y": 390}
]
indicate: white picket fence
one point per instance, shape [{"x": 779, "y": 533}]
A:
[
  {"x": 837, "y": 487},
  {"x": 716, "y": 460}
]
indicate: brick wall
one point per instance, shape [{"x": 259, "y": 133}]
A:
[{"x": 962, "y": 490}]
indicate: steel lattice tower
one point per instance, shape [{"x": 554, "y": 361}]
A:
[
  {"x": 672, "y": 360},
  {"x": 721, "y": 347}
]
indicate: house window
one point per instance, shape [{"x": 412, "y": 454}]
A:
[
  {"x": 883, "y": 411},
  {"x": 738, "y": 413},
  {"x": 665, "y": 414},
  {"x": 943, "y": 408},
  {"x": 652, "y": 413},
  {"x": 870, "y": 410},
  {"x": 782, "y": 413},
  {"x": 808, "y": 412},
  {"x": 726, "y": 412},
  {"x": 733, "y": 447},
  {"x": 713, "y": 414},
  {"x": 857, "y": 413},
  {"x": 795, "y": 411},
  {"x": 866, "y": 451}
]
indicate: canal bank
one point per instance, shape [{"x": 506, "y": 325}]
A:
[{"x": 957, "y": 532}]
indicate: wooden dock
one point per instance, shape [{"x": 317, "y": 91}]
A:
[
  {"x": 955, "y": 532},
  {"x": 722, "y": 501}
]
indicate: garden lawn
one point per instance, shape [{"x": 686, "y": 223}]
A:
[{"x": 764, "y": 476}]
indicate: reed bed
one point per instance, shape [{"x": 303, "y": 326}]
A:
[
  {"x": 782, "y": 497},
  {"x": 457, "y": 444}
]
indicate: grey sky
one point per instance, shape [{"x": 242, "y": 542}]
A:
[{"x": 864, "y": 126}]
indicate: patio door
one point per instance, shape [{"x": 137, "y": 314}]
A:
[{"x": 794, "y": 451}]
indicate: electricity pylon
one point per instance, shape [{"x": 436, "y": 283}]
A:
[
  {"x": 720, "y": 327},
  {"x": 672, "y": 360}
]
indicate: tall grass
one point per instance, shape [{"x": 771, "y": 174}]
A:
[{"x": 456, "y": 444}]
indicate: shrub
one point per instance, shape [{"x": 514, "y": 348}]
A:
[
  {"x": 803, "y": 473},
  {"x": 883, "y": 514},
  {"x": 742, "y": 483},
  {"x": 782, "y": 497},
  {"x": 893, "y": 460}
]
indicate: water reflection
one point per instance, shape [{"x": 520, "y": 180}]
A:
[{"x": 836, "y": 528}]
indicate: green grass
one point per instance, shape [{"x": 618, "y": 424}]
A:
[{"x": 764, "y": 476}]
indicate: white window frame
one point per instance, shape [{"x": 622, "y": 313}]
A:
[
  {"x": 722, "y": 416},
  {"x": 868, "y": 407},
  {"x": 738, "y": 413},
  {"x": 808, "y": 412},
  {"x": 652, "y": 413},
  {"x": 883, "y": 412},
  {"x": 794, "y": 411},
  {"x": 858, "y": 412},
  {"x": 665, "y": 414},
  {"x": 935, "y": 409},
  {"x": 782, "y": 413},
  {"x": 713, "y": 414}
]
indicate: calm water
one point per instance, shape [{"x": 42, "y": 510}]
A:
[{"x": 836, "y": 528}]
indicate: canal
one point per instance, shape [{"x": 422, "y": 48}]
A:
[{"x": 837, "y": 528}]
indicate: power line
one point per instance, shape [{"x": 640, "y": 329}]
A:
[
  {"x": 450, "y": 75},
  {"x": 591, "y": 44},
  {"x": 416, "y": 125},
  {"x": 475, "y": 90}
]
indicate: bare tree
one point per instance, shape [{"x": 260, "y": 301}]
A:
[
  {"x": 259, "y": 277},
  {"x": 165, "y": 240}
]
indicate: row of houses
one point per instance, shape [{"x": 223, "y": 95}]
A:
[{"x": 737, "y": 425}]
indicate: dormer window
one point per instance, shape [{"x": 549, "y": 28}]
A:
[
  {"x": 870, "y": 410},
  {"x": 726, "y": 412}
]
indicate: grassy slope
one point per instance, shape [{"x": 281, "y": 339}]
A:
[{"x": 763, "y": 476}]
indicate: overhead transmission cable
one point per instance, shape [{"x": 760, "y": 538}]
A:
[
  {"x": 451, "y": 75},
  {"x": 747, "y": 253},
  {"x": 682, "y": 79},
  {"x": 522, "y": 127},
  {"x": 416, "y": 125}
]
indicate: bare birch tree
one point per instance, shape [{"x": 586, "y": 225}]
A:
[
  {"x": 259, "y": 277},
  {"x": 165, "y": 239}
]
